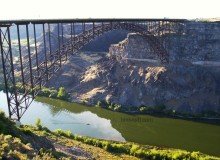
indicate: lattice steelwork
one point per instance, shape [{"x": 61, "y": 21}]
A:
[{"x": 28, "y": 65}]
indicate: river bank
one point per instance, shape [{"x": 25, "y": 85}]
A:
[
  {"x": 161, "y": 110},
  {"x": 39, "y": 142},
  {"x": 117, "y": 126}
]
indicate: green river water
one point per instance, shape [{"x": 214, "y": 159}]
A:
[{"x": 105, "y": 124}]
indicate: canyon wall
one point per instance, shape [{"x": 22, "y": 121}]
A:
[
  {"x": 133, "y": 76},
  {"x": 197, "y": 41}
]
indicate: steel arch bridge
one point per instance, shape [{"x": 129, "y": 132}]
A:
[{"x": 29, "y": 70}]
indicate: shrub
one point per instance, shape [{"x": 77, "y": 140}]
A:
[
  {"x": 133, "y": 149},
  {"x": 195, "y": 155},
  {"x": 140, "y": 151},
  {"x": 26, "y": 131},
  {"x": 53, "y": 94},
  {"x": 118, "y": 148},
  {"x": 106, "y": 146},
  {"x": 62, "y": 94},
  {"x": 45, "y": 92},
  {"x": 111, "y": 107},
  {"x": 83, "y": 102},
  {"x": 107, "y": 102},
  {"x": 117, "y": 107},
  {"x": 46, "y": 129},
  {"x": 38, "y": 124},
  {"x": 6, "y": 126},
  {"x": 99, "y": 104},
  {"x": 68, "y": 133},
  {"x": 59, "y": 132},
  {"x": 64, "y": 133},
  {"x": 143, "y": 109}
]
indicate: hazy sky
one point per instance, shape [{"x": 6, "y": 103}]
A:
[{"x": 40, "y": 9}]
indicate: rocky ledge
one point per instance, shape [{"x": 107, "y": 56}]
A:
[{"x": 132, "y": 76}]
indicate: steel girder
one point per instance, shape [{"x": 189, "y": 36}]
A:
[{"x": 25, "y": 78}]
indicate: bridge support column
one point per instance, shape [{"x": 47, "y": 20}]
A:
[
  {"x": 8, "y": 70},
  {"x": 36, "y": 56},
  {"x": 45, "y": 53},
  {"x": 30, "y": 62},
  {"x": 59, "y": 49}
]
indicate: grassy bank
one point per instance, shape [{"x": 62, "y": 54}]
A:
[{"x": 28, "y": 142}]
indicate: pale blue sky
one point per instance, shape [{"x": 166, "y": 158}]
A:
[{"x": 41, "y": 9}]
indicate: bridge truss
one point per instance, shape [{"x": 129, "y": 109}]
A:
[{"x": 32, "y": 51}]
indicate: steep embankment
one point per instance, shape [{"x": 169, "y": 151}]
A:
[{"x": 29, "y": 142}]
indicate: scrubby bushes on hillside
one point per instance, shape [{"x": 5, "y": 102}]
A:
[
  {"x": 141, "y": 109},
  {"x": 156, "y": 109},
  {"x": 140, "y": 151},
  {"x": 53, "y": 93},
  {"x": 108, "y": 105},
  {"x": 44, "y": 91},
  {"x": 13, "y": 147},
  {"x": 5, "y": 124}
]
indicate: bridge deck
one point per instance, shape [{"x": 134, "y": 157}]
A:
[{"x": 40, "y": 21}]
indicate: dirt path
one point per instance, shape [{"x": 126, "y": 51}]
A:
[{"x": 74, "y": 152}]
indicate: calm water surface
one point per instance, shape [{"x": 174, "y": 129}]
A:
[{"x": 105, "y": 124}]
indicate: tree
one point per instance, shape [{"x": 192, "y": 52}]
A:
[
  {"x": 62, "y": 94},
  {"x": 38, "y": 124}
]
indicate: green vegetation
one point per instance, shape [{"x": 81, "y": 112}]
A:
[
  {"x": 108, "y": 105},
  {"x": 14, "y": 148},
  {"x": 18, "y": 146},
  {"x": 29, "y": 142},
  {"x": 5, "y": 124},
  {"x": 14, "y": 143},
  {"x": 161, "y": 110},
  {"x": 44, "y": 91},
  {"x": 62, "y": 94},
  {"x": 38, "y": 124},
  {"x": 140, "y": 151},
  {"x": 53, "y": 93}
]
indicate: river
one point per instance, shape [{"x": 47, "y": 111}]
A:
[{"x": 105, "y": 124}]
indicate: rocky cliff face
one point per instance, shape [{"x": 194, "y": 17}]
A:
[
  {"x": 200, "y": 41},
  {"x": 129, "y": 78},
  {"x": 183, "y": 87},
  {"x": 134, "y": 46}
]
